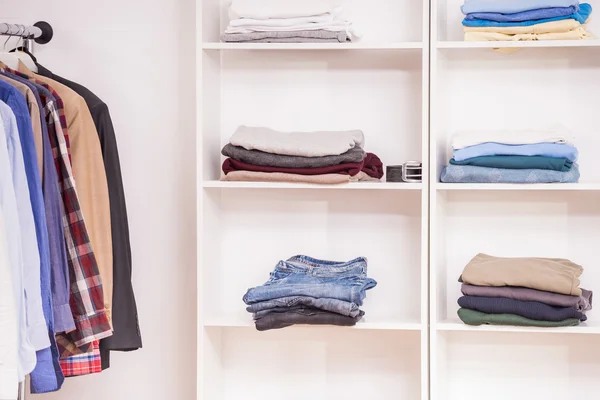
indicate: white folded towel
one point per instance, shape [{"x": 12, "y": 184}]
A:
[
  {"x": 556, "y": 134},
  {"x": 265, "y": 9},
  {"x": 305, "y": 144}
]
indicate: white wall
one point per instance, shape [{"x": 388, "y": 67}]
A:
[{"x": 138, "y": 56}]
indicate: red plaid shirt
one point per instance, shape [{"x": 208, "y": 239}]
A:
[
  {"x": 83, "y": 364},
  {"x": 86, "y": 300}
]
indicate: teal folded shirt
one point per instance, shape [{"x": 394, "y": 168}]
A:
[{"x": 518, "y": 162}]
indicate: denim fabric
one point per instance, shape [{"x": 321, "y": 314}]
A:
[
  {"x": 306, "y": 276},
  {"x": 282, "y": 304},
  {"x": 580, "y": 16},
  {"x": 305, "y": 316},
  {"x": 539, "y": 13},
  {"x": 471, "y": 174}
]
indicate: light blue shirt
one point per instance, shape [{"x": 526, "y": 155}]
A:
[{"x": 8, "y": 206}]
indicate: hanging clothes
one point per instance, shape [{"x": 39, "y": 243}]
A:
[
  {"x": 86, "y": 295},
  {"x": 126, "y": 332},
  {"x": 9, "y": 345},
  {"x": 47, "y": 375}
]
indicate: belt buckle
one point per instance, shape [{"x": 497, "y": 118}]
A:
[{"x": 412, "y": 171}]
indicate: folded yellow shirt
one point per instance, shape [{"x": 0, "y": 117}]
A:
[
  {"x": 564, "y": 25},
  {"x": 574, "y": 34}
]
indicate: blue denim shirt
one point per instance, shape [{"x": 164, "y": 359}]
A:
[
  {"x": 47, "y": 375},
  {"x": 60, "y": 283}
]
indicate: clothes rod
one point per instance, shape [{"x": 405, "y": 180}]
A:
[{"x": 41, "y": 31}]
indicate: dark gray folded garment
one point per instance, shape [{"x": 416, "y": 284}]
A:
[
  {"x": 291, "y": 37},
  {"x": 528, "y": 309},
  {"x": 257, "y": 157},
  {"x": 580, "y": 303},
  {"x": 304, "y": 316}
]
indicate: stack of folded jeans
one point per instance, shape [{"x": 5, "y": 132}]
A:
[
  {"x": 515, "y": 20},
  {"x": 540, "y": 292},
  {"x": 266, "y": 155},
  {"x": 305, "y": 290},
  {"x": 540, "y": 156},
  {"x": 290, "y": 21}
]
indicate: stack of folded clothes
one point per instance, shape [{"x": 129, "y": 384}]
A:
[
  {"x": 541, "y": 292},
  {"x": 541, "y": 156},
  {"x": 515, "y": 20},
  {"x": 307, "y": 291},
  {"x": 295, "y": 21},
  {"x": 266, "y": 155}
]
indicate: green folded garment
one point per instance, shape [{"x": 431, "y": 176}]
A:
[
  {"x": 472, "y": 317},
  {"x": 518, "y": 162}
]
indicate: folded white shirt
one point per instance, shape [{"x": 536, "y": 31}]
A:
[
  {"x": 265, "y": 9},
  {"x": 556, "y": 134},
  {"x": 279, "y": 22},
  {"x": 336, "y": 26}
]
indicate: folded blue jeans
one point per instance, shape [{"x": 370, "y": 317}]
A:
[
  {"x": 285, "y": 303},
  {"x": 307, "y": 276}
]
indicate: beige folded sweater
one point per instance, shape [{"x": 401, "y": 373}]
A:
[
  {"x": 564, "y": 25},
  {"x": 251, "y": 176},
  {"x": 556, "y": 275},
  {"x": 575, "y": 34}
]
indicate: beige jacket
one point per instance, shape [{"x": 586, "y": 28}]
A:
[{"x": 90, "y": 180}]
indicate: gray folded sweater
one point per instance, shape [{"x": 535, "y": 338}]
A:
[
  {"x": 287, "y": 37},
  {"x": 257, "y": 157}
]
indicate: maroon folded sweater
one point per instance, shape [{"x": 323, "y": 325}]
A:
[{"x": 371, "y": 165}]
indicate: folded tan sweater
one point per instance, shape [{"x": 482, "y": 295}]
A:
[
  {"x": 251, "y": 176},
  {"x": 575, "y": 34},
  {"x": 556, "y": 275}
]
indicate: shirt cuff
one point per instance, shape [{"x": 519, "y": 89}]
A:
[
  {"x": 63, "y": 318},
  {"x": 9, "y": 383},
  {"x": 37, "y": 332},
  {"x": 90, "y": 327}
]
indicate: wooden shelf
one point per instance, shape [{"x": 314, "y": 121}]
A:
[
  {"x": 283, "y": 185},
  {"x": 313, "y": 46},
  {"x": 530, "y": 44}
]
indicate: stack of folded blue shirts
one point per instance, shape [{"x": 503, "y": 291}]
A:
[
  {"x": 540, "y": 156},
  {"x": 305, "y": 290},
  {"x": 525, "y": 20}
]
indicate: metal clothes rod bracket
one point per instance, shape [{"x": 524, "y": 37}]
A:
[{"x": 41, "y": 32}]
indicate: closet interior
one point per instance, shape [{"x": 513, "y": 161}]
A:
[
  {"x": 409, "y": 83},
  {"x": 508, "y": 85},
  {"x": 378, "y": 85}
]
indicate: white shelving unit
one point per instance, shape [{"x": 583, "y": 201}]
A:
[
  {"x": 378, "y": 85},
  {"x": 409, "y": 85},
  {"x": 526, "y": 84}
]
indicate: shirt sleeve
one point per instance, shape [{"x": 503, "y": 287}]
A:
[
  {"x": 9, "y": 380},
  {"x": 90, "y": 178}
]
